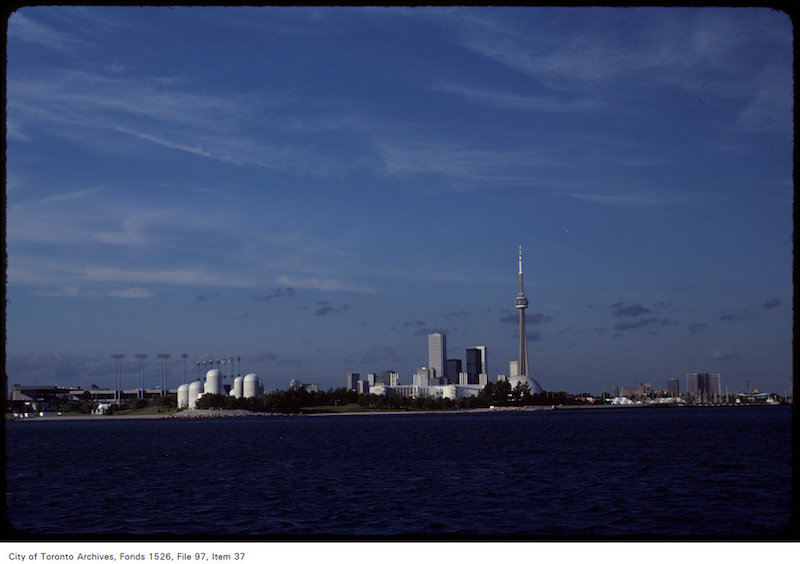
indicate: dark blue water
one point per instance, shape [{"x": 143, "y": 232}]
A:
[{"x": 707, "y": 472}]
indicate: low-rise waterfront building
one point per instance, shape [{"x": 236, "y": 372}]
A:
[{"x": 451, "y": 391}]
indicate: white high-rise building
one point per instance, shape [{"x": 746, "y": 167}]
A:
[{"x": 437, "y": 353}]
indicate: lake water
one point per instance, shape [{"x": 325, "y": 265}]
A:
[{"x": 653, "y": 473}]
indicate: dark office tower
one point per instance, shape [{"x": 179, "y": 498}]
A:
[
  {"x": 476, "y": 364},
  {"x": 452, "y": 369}
]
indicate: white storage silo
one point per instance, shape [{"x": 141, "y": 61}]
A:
[
  {"x": 252, "y": 386},
  {"x": 195, "y": 390},
  {"x": 183, "y": 396},
  {"x": 238, "y": 387},
  {"x": 213, "y": 382}
]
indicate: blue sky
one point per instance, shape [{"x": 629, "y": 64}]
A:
[{"x": 315, "y": 190}]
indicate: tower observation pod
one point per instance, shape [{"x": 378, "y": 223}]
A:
[{"x": 524, "y": 373}]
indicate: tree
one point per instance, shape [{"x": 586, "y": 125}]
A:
[
  {"x": 169, "y": 400},
  {"x": 486, "y": 395},
  {"x": 500, "y": 392},
  {"x": 139, "y": 403},
  {"x": 521, "y": 394},
  {"x": 75, "y": 406},
  {"x": 210, "y": 401}
]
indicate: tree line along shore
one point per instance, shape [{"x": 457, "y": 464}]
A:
[
  {"x": 339, "y": 400},
  {"x": 496, "y": 396}
]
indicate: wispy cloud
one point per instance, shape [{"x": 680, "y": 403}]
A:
[
  {"x": 723, "y": 355},
  {"x": 515, "y": 101},
  {"x": 632, "y": 310},
  {"x": 325, "y": 308},
  {"x": 741, "y": 315},
  {"x": 378, "y": 355},
  {"x": 133, "y": 293},
  {"x": 456, "y": 315},
  {"x": 275, "y": 293},
  {"x": 697, "y": 327},
  {"x": 637, "y": 198},
  {"x": 325, "y": 284},
  {"x": 644, "y": 322},
  {"x": 30, "y": 31},
  {"x": 264, "y": 356},
  {"x": 164, "y": 112},
  {"x": 619, "y": 309}
]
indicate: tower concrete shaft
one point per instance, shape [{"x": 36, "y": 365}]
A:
[{"x": 521, "y": 303}]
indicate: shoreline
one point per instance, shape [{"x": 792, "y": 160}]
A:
[{"x": 237, "y": 413}]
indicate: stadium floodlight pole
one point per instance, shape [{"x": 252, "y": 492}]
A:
[
  {"x": 140, "y": 384},
  {"x": 164, "y": 357},
  {"x": 184, "y": 356},
  {"x": 117, "y": 378}
]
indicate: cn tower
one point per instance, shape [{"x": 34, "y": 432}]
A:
[
  {"x": 523, "y": 375},
  {"x": 521, "y": 303}
]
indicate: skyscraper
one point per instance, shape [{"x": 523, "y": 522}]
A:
[
  {"x": 352, "y": 380},
  {"x": 437, "y": 353},
  {"x": 476, "y": 364},
  {"x": 452, "y": 370},
  {"x": 673, "y": 387},
  {"x": 703, "y": 386},
  {"x": 523, "y": 375}
]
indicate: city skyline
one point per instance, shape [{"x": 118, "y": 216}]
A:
[{"x": 316, "y": 190}]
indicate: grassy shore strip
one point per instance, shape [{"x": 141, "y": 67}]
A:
[
  {"x": 87, "y": 417},
  {"x": 216, "y": 413},
  {"x": 229, "y": 413}
]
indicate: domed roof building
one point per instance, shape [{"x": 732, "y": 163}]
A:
[{"x": 533, "y": 385}]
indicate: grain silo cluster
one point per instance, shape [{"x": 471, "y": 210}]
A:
[{"x": 248, "y": 387}]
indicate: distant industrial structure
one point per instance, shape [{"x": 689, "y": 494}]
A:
[{"x": 248, "y": 387}]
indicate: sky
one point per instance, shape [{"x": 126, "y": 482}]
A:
[{"x": 315, "y": 190}]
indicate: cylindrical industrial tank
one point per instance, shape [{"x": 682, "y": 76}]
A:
[
  {"x": 251, "y": 386},
  {"x": 213, "y": 382},
  {"x": 238, "y": 387},
  {"x": 183, "y": 396},
  {"x": 195, "y": 389}
]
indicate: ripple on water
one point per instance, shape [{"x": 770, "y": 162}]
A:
[{"x": 659, "y": 472}]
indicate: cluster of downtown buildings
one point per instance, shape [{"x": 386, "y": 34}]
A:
[
  {"x": 700, "y": 386},
  {"x": 442, "y": 378}
]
